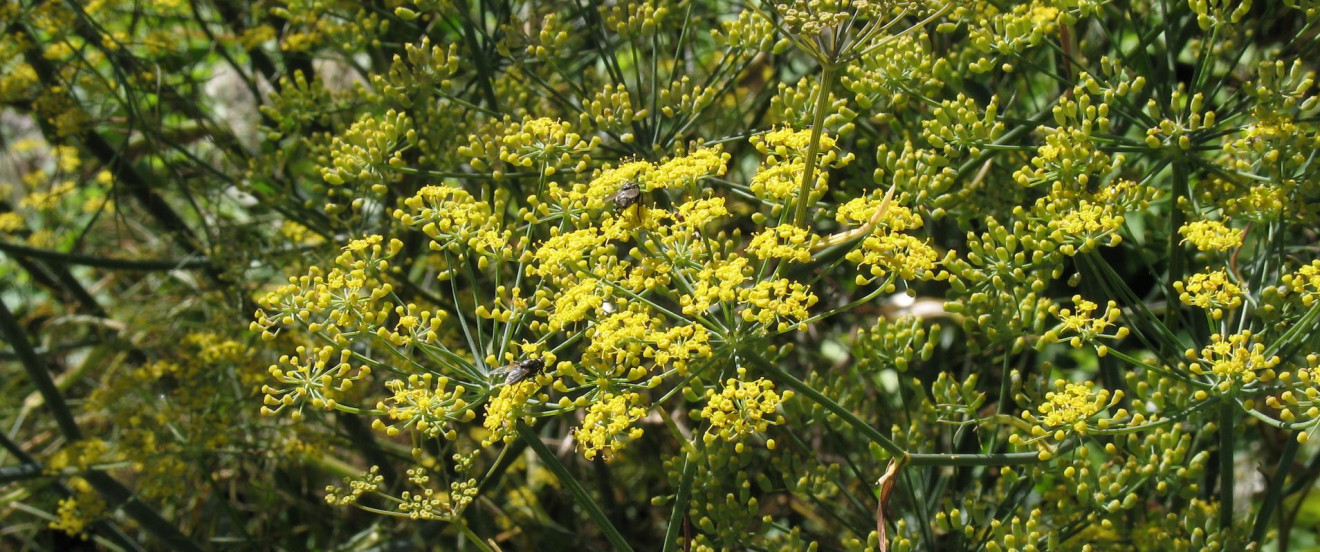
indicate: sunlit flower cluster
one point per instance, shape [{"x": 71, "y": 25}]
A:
[
  {"x": 1211, "y": 235},
  {"x": 741, "y": 408},
  {"x": 1212, "y": 291},
  {"x": 429, "y": 404},
  {"x": 609, "y": 424},
  {"x": 1082, "y": 323},
  {"x": 1233, "y": 362}
]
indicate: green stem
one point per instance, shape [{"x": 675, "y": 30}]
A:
[
  {"x": 1227, "y": 409},
  {"x": 1274, "y": 493},
  {"x": 680, "y": 503},
  {"x": 569, "y": 482},
  {"x": 813, "y": 147},
  {"x": 103, "y": 262}
]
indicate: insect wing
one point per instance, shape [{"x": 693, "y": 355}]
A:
[{"x": 520, "y": 370}]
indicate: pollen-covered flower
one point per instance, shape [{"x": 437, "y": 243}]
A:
[
  {"x": 786, "y": 241},
  {"x": 453, "y": 220},
  {"x": 908, "y": 256},
  {"x": 431, "y": 407},
  {"x": 779, "y": 182},
  {"x": 576, "y": 303},
  {"x": 680, "y": 345},
  {"x": 1081, "y": 322},
  {"x": 1067, "y": 410},
  {"x": 1081, "y": 229},
  {"x": 718, "y": 281},
  {"x": 860, "y": 210},
  {"x": 1211, "y": 291},
  {"x": 1305, "y": 281},
  {"x": 1234, "y": 361},
  {"x": 610, "y": 181},
  {"x": 741, "y": 408},
  {"x": 1211, "y": 235},
  {"x": 504, "y": 409},
  {"x": 608, "y": 425},
  {"x": 688, "y": 169},
  {"x": 779, "y": 300},
  {"x": 693, "y": 215},
  {"x": 564, "y": 254},
  {"x": 620, "y": 342}
]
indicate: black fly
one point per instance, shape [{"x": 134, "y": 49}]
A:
[{"x": 520, "y": 370}]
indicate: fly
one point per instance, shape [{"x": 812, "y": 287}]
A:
[
  {"x": 627, "y": 195},
  {"x": 520, "y": 370}
]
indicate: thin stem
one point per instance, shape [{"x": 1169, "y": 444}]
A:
[
  {"x": 1274, "y": 493},
  {"x": 579, "y": 493},
  {"x": 1227, "y": 410},
  {"x": 813, "y": 147},
  {"x": 680, "y": 503}
]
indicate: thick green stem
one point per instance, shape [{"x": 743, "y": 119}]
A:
[{"x": 813, "y": 148}]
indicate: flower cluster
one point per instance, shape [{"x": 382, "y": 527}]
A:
[
  {"x": 1212, "y": 291},
  {"x": 1234, "y": 362},
  {"x": 1211, "y": 235},
  {"x": 742, "y": 408},
  {"x": 607, "y": 423}
]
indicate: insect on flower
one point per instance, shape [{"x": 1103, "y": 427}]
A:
[
  {"x": 627, "y": 195},
  {"x": 520, "y": 370}
]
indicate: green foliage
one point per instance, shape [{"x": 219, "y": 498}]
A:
[{"x": 709, "y": 275}]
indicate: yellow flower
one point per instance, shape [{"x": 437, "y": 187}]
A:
[
  {"x": 607, "y": 423},
  {"x": 718, "y": 281},
  {"x": 1210, "y": 290},
  {"x": 620, "y": 342},
  {"x": 576, "y": 303},
  {"x": 1211, "y": 235},
  {"x": 741, "y": 408},
  {"x": 1072, "y": 404},
  {"x": 908, "y": 256},
  {"x": 786, "y": 241},
  {"x": 682, "y": 344},
  {"x": 1081, "y": 229},
  {"x": 692, "y": 216},
  {"x": 786, "y": 142},
  {"x": 1234, "y": 361},
  {"x": 562, "y": 254},
  {"x": 682, "y": 171},
  {"x": 1080, "y": 321},
  {"x": 779, "y": 299},
  {"x": 453, "y": 220},
  {"x": 431, "y": 408},
  {"x": 778, "y": 182},
  {"x": 609, "y": 181},
  {"x": 1305, "y": 281},
  {"x": 508, "y": 406}
]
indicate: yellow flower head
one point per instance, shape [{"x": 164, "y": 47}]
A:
[
  {"x": 608, "y": 424},
  {"x": 1210, "y": 290},
  {"x": 685, "y": 170},
  {"x": 786, "y": 241},
  {"x": 741, "y": 408},
  {"x": 1234, "y": 361},
  {"x": 1067, "y": 409},
  {"x": 1211, "y": 235}
]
